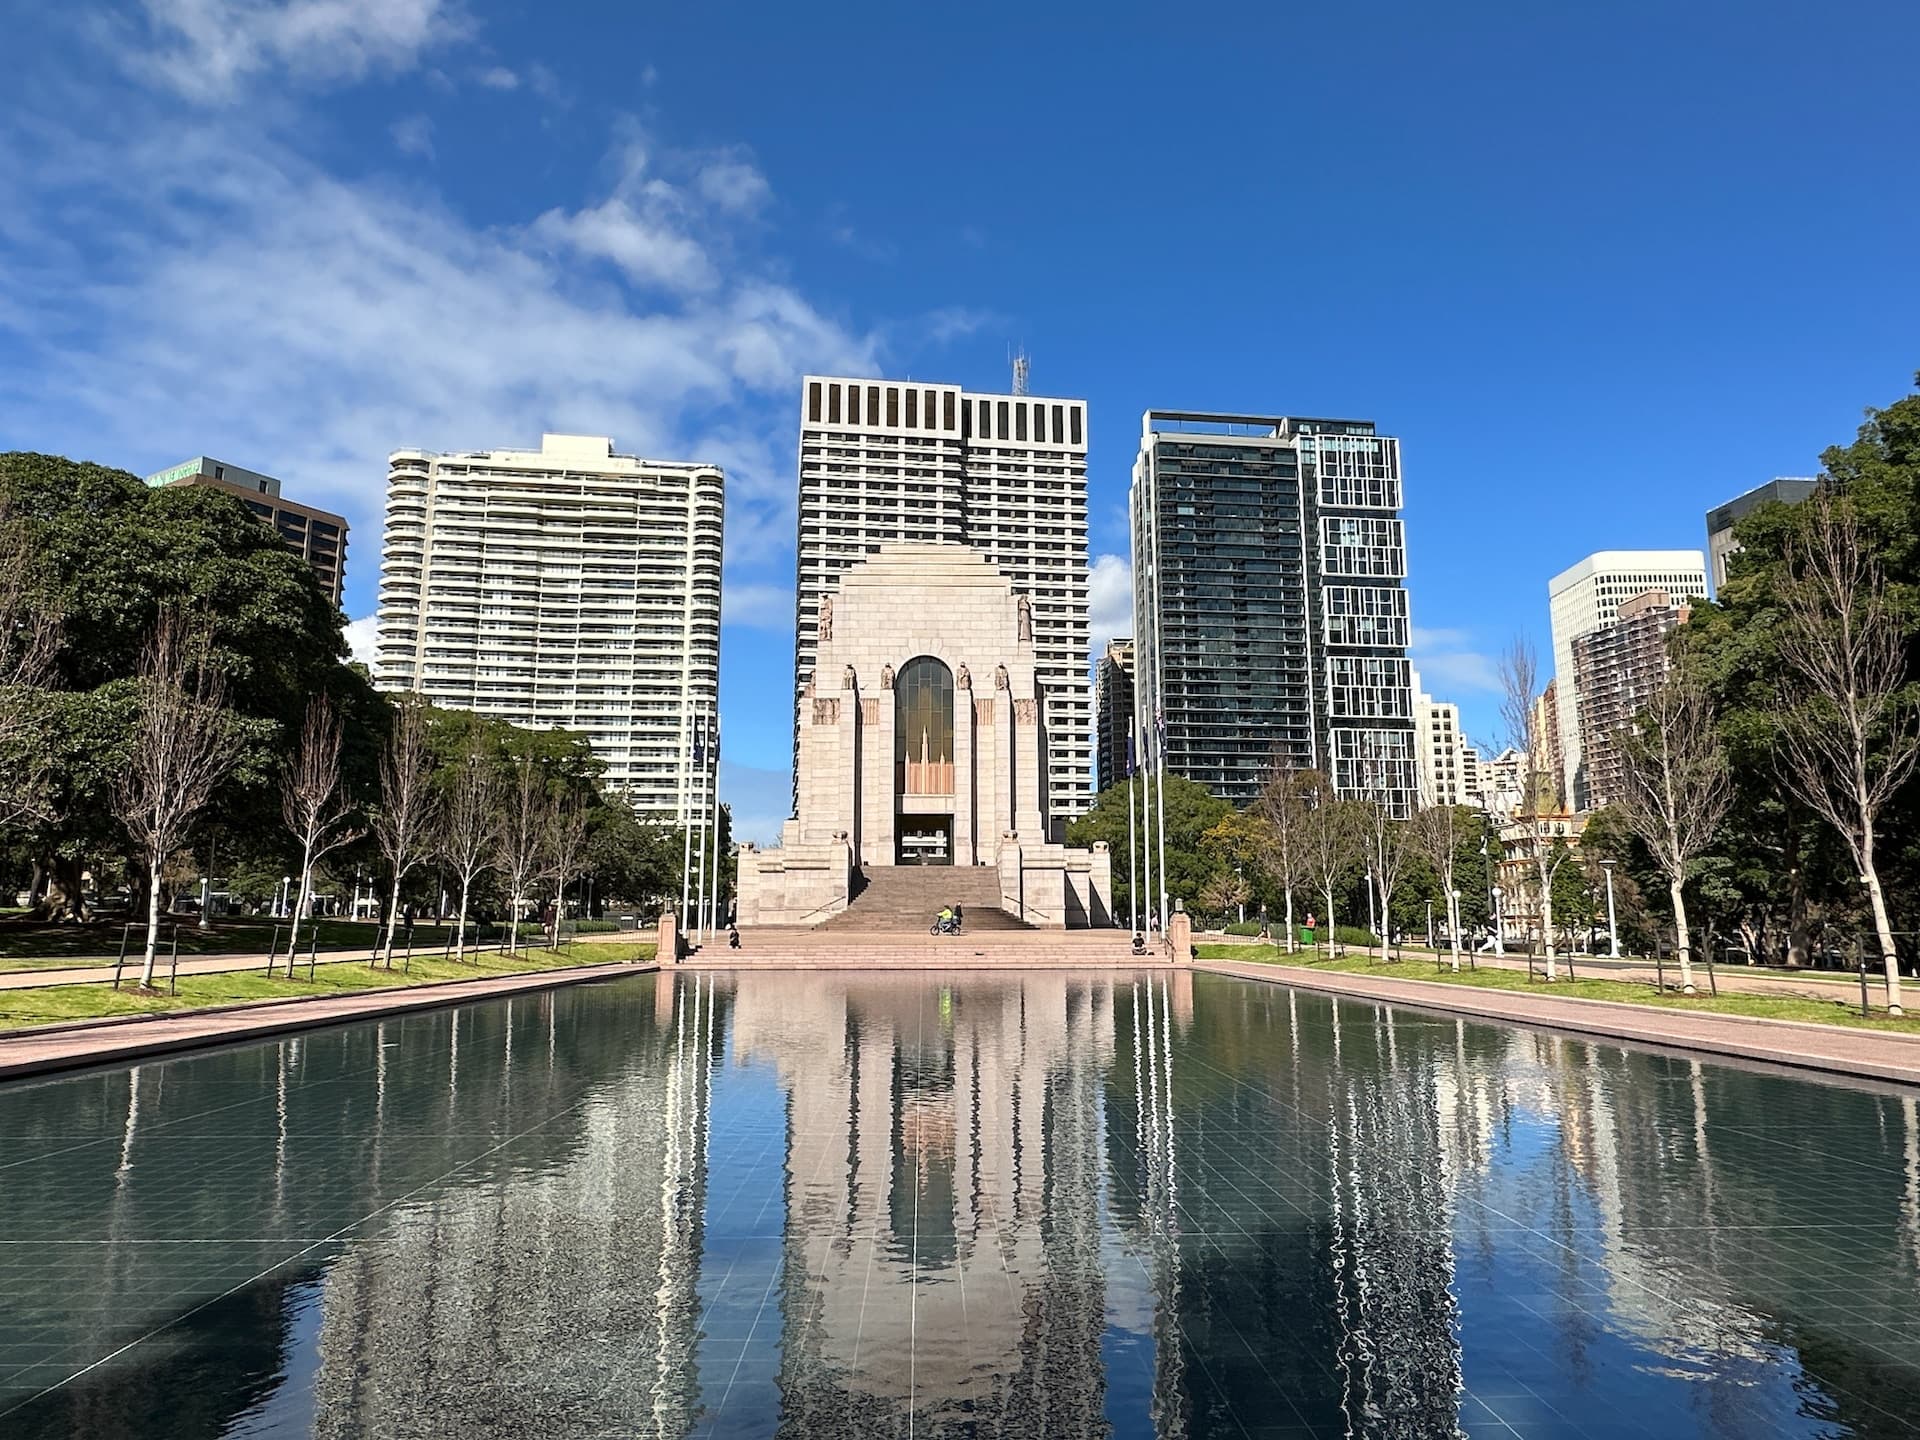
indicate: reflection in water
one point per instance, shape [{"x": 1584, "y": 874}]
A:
[{"x": 1016, "y": 1204}]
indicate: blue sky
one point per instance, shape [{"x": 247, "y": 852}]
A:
[{"x": 1600, "y": 267}]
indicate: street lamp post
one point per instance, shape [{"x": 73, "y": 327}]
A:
[
  {"x": 1499, "y": 925},
  {"x": 1453, "y": 927},
  {"x": 1370, "y": 916},
  {"x": 1613, "y": 930}
]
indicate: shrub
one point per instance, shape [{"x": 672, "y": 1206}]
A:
[
  {"x": 593, "y": 927},
  {"x": 1242, "y": 927}
]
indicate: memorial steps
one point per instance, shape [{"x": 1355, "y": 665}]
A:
[
  {"x": 820, "y": 948},
  {"x": 898, "y": 899}
]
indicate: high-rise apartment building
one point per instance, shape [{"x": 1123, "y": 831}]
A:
[
  {"x": 884, "y": 461},
  {"x": 1546, "y": 732},
  {"x": 1473, "y": 779},
  {"x": 1619, "y": 667},
  {"x": 317, "y": 536},
  {"x": 1113, "y": 711},
  {"x": 1271, "y": 620},
  {"x": 1721, "y": 546},
  {"x": 1585, "y": 597},
  {"x": 1442, "y": 751},
  {"x": 566, "y": 586}
]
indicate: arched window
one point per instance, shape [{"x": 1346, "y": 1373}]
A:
[{"x": 923, "y": 727}]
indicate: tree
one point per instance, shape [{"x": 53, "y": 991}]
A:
[
  {"x": 565, "y": 849},
  {"x": 1519, "y": 687},
  {"x": 27, "y": 639},
  {"x": 469, "y": 830},
  {"x": 521, "y": 837},
  {"x": 404, "y": 820},
  {"x": 179, "y": 754},
  {"x": 1386, "y": 840},
  {"x": 1573, "y": 908},
  {"x": 1191, "y": 811},
  {"x": 1437, "y": 832},
  {"x": 1851, "y": 716},
  {"x": 316, "y": 809},
  {"x": 1281, "y": 805},
  {"x": 1332, "y": 837},
  {"x": 1224, "y": 893},
  {"x": 1674, "y": 790}
]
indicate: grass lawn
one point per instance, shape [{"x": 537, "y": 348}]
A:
[
  {"x": 29, "y": 946},
  {"x": 20, "y": 1009},
  {"x": 1769, "y": 1007}
]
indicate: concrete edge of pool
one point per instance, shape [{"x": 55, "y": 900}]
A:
[
  {"x": 1800, "y": 1045},
  {"x": 43, "y": 1051}
]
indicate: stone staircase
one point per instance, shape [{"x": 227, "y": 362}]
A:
[
  {"x": 901, "y": 900},
  {"x": 821, "y": 947}
]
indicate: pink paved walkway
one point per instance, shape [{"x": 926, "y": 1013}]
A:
[
  {"x": 33, "y": 1052},
  {"x": 1837, "y": 1049}
]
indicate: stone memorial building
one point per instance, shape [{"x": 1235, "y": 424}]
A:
[{"x": 923, "y": 741}]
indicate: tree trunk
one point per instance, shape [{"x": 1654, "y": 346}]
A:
[
  {"x": 1292, "y": 937},
  {"x": 1682, "y": 938},
  {"x": 1453, "y": 924},
  {"x": 1329, "y": 917},
  {"x": 299, "y": 909},
  {"x": 1883, "y": 928},
  {"x": 1546, "y": 920},
  {"x": 393, "y": 917},
  {"x": 63, "y": 894},
  {"x": 460, "y": 942},
  {"x": 153, "y": 921}
]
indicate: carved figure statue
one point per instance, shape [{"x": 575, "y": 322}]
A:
[
  {"x": 1000, "y": 681},
  {"x": 1026, "y": 618},
  {"x": 886, "y": 677},
  {"x": 963, "y": 677},
  {"x": 847, "y": 678},
  {"x": 826, "y": 617}
]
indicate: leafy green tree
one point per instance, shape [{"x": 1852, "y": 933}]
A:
[{"x": 1192, "y": 811}]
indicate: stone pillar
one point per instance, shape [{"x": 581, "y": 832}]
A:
[
  {"x": 877, "y": 778},
  {"x": 667, "y": 939},
  {"x": 1027, "y": 771},
  {"x": 965, "y": 848},
  {"x": 847, "y": 747},
  {"x": 1179, "y": 935}
]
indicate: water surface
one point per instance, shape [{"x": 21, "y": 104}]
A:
[{"x": 819, "y": 1205}]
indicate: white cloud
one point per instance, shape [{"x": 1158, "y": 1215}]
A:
[
  {"x": 648, "y": 247},
  {"x": 733, "y": 184},
  {"x": 205, "y": 49},
  {"x": 362, "y": 636},
  {"x": 390, "y": 320},
  {"x": 952, "y": 322},
  {"x": 413, "y": 135},
  {"x": 1109, "y": 599},
  {"x": 1450, "y": 667},
  {"x": 499, "y": 77}
]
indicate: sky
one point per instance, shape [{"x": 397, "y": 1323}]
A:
[{"x": 1599, "y": 267}]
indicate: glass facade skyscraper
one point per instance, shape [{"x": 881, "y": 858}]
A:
[{"x": 1271, "y": 620}]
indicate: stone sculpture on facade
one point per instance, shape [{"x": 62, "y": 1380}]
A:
[
  {"x": 886, "y": 677},
  {"x": 1026, "y": 618},
  {"x": 826, "y": 617}
]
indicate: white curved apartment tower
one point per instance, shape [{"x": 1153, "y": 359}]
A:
[{"x": 566, "y": 586}]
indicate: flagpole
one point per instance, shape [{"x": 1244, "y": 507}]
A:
[
  {"x": 1160, "y": 725},
  {"x": 1133, "y": 859},
  {"x": 713, "y": 803},
  {"x": 686, "y": 815}
]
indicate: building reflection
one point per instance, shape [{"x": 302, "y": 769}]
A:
[{"x": 942, "y": 1266}]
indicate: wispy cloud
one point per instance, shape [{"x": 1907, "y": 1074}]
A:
[
  {"x": 499, "y": 77},
  {"x": 1450, "y": 666},
  {"x": 205, "y": 49},
  {"x": 1109, "y": 600},
  {"x": 413, "y": 135},
  {"x": 955, "y": 322}
]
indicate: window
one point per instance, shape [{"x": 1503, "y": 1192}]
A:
[
  {"x": 913, "y": 409},
  {"x": 1019, "y": 421},
  {"x": 813, "y": 402},
  {"x": 923, "y": 728},
  {"x": 873, "y": 405},
  {"x": 893, "y": 408},
  {"x": 1000, "y": 428},
  {"x": 1076, "y": 424},
  {"x": 1059, "y": 429},
  {"x": 833, "y": 404},
  {"x": 949, "y": 410}
]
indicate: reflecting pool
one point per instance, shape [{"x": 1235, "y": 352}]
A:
[{"x": 1036, "y": 1204}]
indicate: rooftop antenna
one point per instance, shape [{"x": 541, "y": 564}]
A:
[{"x": 1021, "y": 365}]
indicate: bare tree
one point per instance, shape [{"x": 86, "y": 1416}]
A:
[
  {"x": 28, "y": 637},
  {"x": 1539, "y": 789},
  {"x": 1384, "y": 838},
  {"x": 565, "y": 848},
  {"x": 403, "y": 823},
  {"x": 1280, "y": 805},
  {"x": 1436, "y": 832},
  {"x": 181, "y": 751},
  {"x": 469, "y": 832},
  {"x": 520, "y": 841},
  {"x": 1330, "y": 837},
  {"x": 1674, "y": 790},
  {"x": 316, "y": 810},
  {"x": 1851, "y": 723}
]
